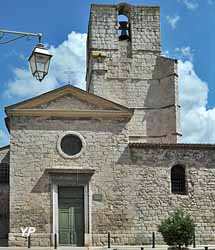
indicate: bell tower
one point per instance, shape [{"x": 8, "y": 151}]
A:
[{"x": 124, "y": 65}]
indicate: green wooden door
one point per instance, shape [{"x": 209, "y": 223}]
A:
[{"x": 71, "y": 216}]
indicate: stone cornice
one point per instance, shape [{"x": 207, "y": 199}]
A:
[
  {"x": 173, "y": 146},
  {"x": 105, "y": 114},
  {"x": 114, "y": 6},
  {"x": 170, "y": 75},
  {"x": 63, "y": 170},
  {"x": 67, "y": 90},
  {"x": 161, "y": 107}
]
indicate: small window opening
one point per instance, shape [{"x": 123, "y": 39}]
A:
[
  {"x": 123, "y": 28},
  {"x": 178, "y": 180}
]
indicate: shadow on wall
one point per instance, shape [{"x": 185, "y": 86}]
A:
[
  {"x": 160, "y": 99},
  {"x": 125, "y": 157},
  {"x": 42, "y": 185}
]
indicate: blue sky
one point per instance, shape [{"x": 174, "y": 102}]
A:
[{"x": 188, "y": 34}]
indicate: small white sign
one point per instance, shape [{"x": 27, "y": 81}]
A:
[{"x": 27, "y": 231}]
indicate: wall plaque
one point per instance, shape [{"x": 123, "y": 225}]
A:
[{"x": 97, "y": 197}]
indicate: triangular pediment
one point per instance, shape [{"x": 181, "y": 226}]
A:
[
  {"x": 68, "y": 101},
  {"x": 68, "y": 97}
]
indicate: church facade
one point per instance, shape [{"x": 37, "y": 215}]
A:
[{"x": 81, "y": 163}]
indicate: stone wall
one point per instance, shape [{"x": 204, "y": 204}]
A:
[
  {"x": 4, "y": 197},
  {"x": 132, "y": 72},
  {"x": 140, "y": 194}
]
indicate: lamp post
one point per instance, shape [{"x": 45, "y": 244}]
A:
[{"x": 40, "y": 58}]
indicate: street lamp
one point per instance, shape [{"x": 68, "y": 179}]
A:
[
  {"x": 39, "y": 62},
  {"x": 40, "y": 58}
]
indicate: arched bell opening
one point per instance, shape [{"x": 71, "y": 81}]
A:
[{"x": 123, "y": 22}]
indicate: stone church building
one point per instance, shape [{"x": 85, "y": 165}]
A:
[{"x": 81, "y": 163}]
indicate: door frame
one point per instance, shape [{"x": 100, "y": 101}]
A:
[{"x": 87, "y": 211}]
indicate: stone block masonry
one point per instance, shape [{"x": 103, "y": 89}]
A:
[{"x": 132, "y": 72}]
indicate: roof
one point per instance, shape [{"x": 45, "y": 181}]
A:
[
  {"x": 4, "y": 147},
  {"x": 173, "y": 146}
]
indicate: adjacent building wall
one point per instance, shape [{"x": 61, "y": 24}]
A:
[{"x": 4, "y": 196}]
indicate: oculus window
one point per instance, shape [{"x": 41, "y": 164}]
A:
[{"x": 70, "y": 145}]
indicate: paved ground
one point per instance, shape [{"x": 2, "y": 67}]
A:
[{"x": 158, "y": 247}]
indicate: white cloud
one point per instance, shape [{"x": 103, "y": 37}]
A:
[
  {"x": 24, "y": 85},
  {"x": 4, "y": 140},
  {"x": 185, "y": 53},
  {"x": 165, "y": 53},
  {"x": 197, "y": 122},
  {"x": 173, "y": 20},
  {"x": 70, "y": 57},
  {"x": 68, "y": 61},
  {"x": 190, "y": 4}
]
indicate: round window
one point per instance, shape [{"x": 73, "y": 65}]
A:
[{"x": 70, "y": 145}]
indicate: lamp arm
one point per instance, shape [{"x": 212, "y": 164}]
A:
[
  {"x": 12, "y": 40},
  {"x": 23, "y": 34}
]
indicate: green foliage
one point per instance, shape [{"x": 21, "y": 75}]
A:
[{"x": 178, "y": 229}]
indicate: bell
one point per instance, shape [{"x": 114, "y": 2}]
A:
[{"x": 124, "y": 30}]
